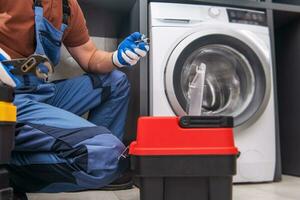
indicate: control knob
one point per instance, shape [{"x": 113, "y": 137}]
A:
[{"x": 214, "y": 12}]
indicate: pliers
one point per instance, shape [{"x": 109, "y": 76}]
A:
[
  {"x": 143, "y": 39},
  {"x": 23, "y": 66}
]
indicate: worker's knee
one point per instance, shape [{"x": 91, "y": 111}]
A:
[
  {"x": 119, "y": 77},
  {"x": 122, "y": 86},
  {"x": 116, "y": 80},
  {"x": 105, "y": 153},
  {"x": 103, "y": 162}
]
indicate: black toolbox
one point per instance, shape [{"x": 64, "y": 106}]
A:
[
  {"x": 7, "y": 137},
  {"x": 189, "y": 158}
]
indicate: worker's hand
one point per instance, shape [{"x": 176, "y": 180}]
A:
[{"x": 131, "y": 50}]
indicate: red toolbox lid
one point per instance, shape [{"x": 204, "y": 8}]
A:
[{"x": 172, "y": 136}]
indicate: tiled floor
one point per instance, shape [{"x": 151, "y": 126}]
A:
[{"x": 288, "y": 189}]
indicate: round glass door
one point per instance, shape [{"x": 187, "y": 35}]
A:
[
  {"x": 229, "y": 80},
  {"x": 234, "y": 79}
]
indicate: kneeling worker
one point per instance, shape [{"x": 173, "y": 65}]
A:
[{"x": 55, "y": 149}]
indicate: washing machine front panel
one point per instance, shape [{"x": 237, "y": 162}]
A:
[{"x": 237, "y": 77}]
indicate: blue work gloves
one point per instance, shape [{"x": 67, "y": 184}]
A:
[
  {"x": 131, "y": 50},
  {"x": 6, "y": 76}
]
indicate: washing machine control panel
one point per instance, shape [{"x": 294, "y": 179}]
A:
[{"x": 247, "y": 17}]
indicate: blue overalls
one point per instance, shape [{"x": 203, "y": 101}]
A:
[{"x": 55, "y": 149}]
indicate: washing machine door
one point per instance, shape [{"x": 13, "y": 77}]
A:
[{"x": 237, "y": 77}]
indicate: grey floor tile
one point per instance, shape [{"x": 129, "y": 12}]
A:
[
  {"x": 289, "y": 179},
  {"x": 89, "y": 195},
  {"x": 288, "y": 189},
  {"x": 247, "y": 192},
  {"x": 128, "y": 194}
]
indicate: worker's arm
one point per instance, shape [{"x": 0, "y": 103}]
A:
[
  {"x": 91, "y": 59},
  {"x": 97, "y": 61}
]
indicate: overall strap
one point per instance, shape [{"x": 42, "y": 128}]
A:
[
  {"x": 66, "y": 14},
  {"x": 38, "y": 3},
  {"x": 66, "y": 11},
  {"x": 39, "y": 15}
]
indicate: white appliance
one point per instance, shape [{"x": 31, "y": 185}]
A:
[{"x": 234, "y": 44}]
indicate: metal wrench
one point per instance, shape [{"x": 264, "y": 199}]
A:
[{"x": 30, "y": 65}]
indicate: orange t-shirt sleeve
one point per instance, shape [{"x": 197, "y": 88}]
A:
[{"x": 77, "y": 33}]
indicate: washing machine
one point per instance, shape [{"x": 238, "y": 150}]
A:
[{"x": 234, "y": 46}]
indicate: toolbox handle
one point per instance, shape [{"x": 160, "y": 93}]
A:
[{"x": 206, "y": 122}]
